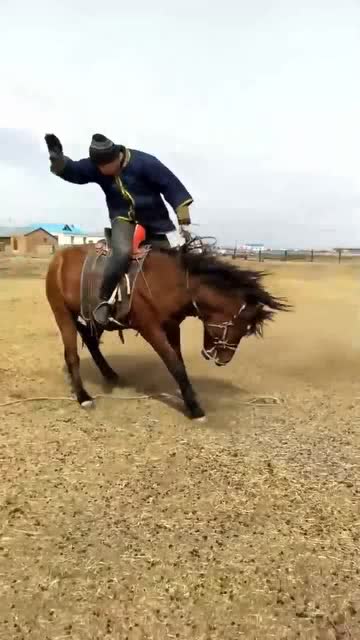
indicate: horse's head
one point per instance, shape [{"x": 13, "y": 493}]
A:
[
  {"x": 225, "y": 326},
  {"x": 231, "y": 303}
]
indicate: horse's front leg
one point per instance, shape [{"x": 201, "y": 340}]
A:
[
  {"x": 173, "y": 335},
  {"x": 158, "y": 338}
]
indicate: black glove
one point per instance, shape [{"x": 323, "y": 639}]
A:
[{"x": 54, "y": 145}]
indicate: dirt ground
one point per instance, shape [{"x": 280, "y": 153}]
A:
[{"x": 130, "y": 522}]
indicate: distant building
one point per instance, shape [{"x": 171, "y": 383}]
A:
[
  {"x": 5, "y": 237},
  {"x": 37, "y": 241},
  {"x": 40, "y": 237},
  {"x": 251, "y": 247},
  {"x": 22, "y": 240},
  {"x": 64, "y": 233},
  {"x": 355, "y": 251}
]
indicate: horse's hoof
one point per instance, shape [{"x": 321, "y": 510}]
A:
[
  {"x": 198, "y": 415},
  {"x": 202, "y": 419},
  {"x": 87, "y": 404}
]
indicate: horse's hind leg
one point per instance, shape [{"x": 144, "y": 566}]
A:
[
  {"x": 67, "y": 326},
  {"x": 92, "y": 343}
]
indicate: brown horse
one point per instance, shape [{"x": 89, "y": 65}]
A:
[{"x": 230, "y": 302}]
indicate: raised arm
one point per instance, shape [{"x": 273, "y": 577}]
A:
[
  {"x": 171, "y": 188},
  {"x": 75, "y": 171}
]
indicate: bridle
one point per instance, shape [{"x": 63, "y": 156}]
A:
[
  {"x": 218, "y": 341},
  {"x": 222, "y": 340}
]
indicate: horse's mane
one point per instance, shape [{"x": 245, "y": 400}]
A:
[{"x": 230, "y": 278}]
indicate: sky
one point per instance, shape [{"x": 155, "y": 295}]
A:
[{"x": 255, "y": 106}]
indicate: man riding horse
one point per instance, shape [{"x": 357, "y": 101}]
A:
[{"x": 133, "y": 183}]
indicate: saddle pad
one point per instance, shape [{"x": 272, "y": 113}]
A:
[{"x": 91, "y": 279}]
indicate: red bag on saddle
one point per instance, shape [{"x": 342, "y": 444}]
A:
[
  {"x": 102, "y": 246},
  {"x": 139, "y": 237}
]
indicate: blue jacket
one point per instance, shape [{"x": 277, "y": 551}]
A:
[{"x": 136, "y": 192}]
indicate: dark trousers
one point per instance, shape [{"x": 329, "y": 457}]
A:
[{"x": 122, "y": 233}]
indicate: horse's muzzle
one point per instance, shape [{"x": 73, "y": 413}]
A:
[{"x": 212, "y": 354}]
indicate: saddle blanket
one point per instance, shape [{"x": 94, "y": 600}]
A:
[{"x": 91, "y": 279}]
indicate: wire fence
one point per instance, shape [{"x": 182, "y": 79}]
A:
[{"x": 289, "y": 255}]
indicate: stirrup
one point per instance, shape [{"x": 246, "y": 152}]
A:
[{"x": 103, "y": 304}]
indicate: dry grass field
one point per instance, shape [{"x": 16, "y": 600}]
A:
[{"x": 130, "y": 522}]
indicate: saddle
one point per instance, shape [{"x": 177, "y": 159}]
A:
[{"x": 92, "y": 276}]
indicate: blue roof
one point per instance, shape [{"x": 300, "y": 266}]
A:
[{"x": 54, "y": 229}]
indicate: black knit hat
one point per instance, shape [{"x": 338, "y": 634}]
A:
[{"x": 102, "y": 150}]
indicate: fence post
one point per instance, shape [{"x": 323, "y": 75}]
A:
[
  {"x": 285, "y": 255},
  {"x": 340, "y": 254},
  {"x": 260, "y": 255},
  {"x": 312, "y": 255}
]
